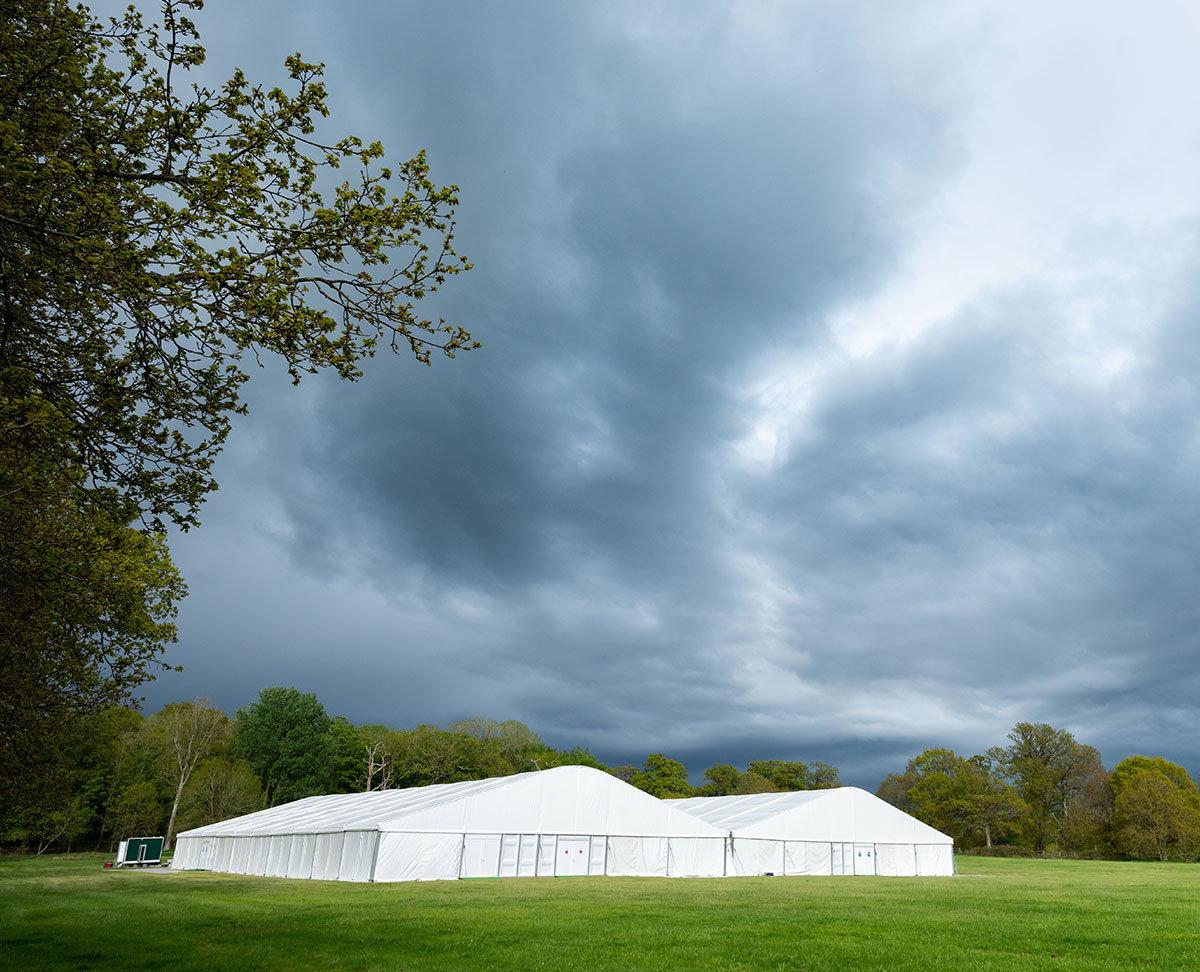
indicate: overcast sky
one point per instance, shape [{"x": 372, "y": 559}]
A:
[{"x": 838, "y": 396}]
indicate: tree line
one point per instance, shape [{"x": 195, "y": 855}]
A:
[
  {"x": 119, "y": 773},
  {"x": 1045, "y": 792}
]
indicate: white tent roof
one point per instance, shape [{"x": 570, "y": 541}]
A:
[
  {"x": 845, "y": 814},
  {"x": 563, "y": 800}
]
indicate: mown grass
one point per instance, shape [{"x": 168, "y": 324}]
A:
[{"x": 1002, "y": 914}]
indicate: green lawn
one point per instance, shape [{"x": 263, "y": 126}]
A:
[{"x": 1001, "y": 914}]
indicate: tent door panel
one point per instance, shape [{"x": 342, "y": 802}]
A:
[
  {"x": 510, "y": 855},
  {"x": 843, "y": 859},
  {"x": 571, "y": 857},
  {"x": 597, "y": 861},
  {"x": 795, "y": 857},
  {"x": 481, "y": 855},
  {"x": 528, "y": 857},
  {"x": 864, "y": 859}
]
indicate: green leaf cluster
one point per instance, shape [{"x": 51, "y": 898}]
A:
[
  {"x": 286, "y": 738},
  {"x": 155, "y": 236},
  {"x": 86, "y": 605},
  {"x": 663, "y": 777}
]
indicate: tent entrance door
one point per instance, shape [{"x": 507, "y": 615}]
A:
[
  {"x": 481, "y": 855},
  {"x": 573, "y": 855},
  {"x": 843, "y": 859},
  {"x": 864, "y": 859}
]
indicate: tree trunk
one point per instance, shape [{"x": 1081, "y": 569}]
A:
[{"x": 174, "y": 810}]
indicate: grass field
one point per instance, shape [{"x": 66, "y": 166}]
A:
[{"x": 1001, "y": 914}]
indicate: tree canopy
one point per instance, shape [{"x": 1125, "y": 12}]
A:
[
  {"x": 1049, "y": 769},
  {"x": 285, "y": 737},
  {"x": 157, "y": 238},
  {"x": 662, "y": 777},
  {"x": 961, "y": 797},
  {"x": 87, "y": 603},
  {"x": 1157, "y": 809},
  {"x": 793, "y": 775}
]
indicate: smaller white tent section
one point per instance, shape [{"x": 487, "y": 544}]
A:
[
  {"x": 567, "y": 821},
  {"x": 823, "y": 832}
]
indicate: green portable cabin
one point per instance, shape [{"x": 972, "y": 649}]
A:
[{"x": 139, "y": 851}]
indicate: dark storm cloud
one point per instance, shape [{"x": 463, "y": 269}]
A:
[
  {"x": 667, "y": 507},
  {"x": 687, "y": 238}
]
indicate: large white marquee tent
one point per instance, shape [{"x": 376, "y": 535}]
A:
[
  {"x": 571, "y": 820},
  {"x": 838, "y": 831}
]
